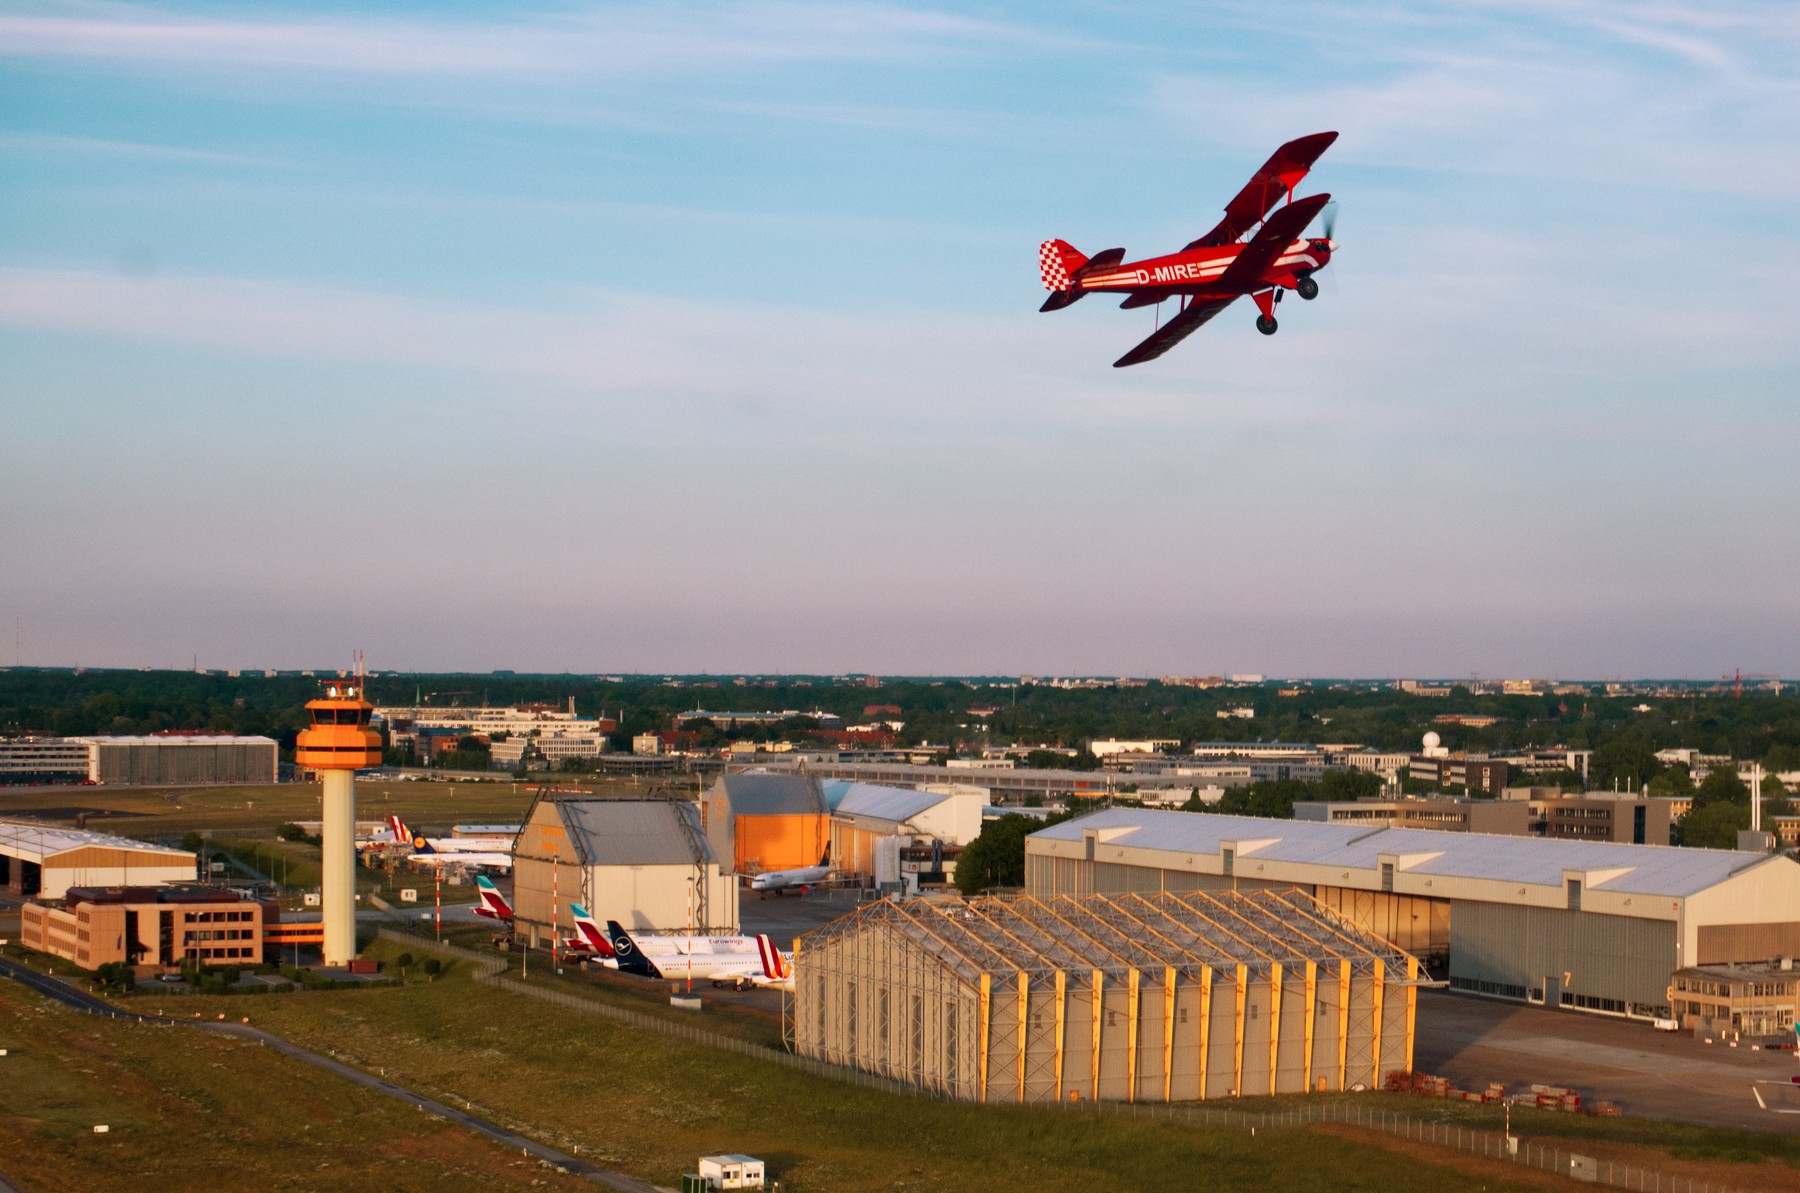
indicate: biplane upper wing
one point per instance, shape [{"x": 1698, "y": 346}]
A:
[
  {"x": 1174, "y": 331},
  {"x": 1269, "y": 186},
  {"x": 1274, "y": 236}
]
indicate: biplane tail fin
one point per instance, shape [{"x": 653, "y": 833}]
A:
[{"x": 1058, "y": 262}]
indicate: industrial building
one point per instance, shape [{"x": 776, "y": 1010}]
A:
[
  {"x": 643, "y": 862},
  {"x": 1447, "y": 813},
  {"x": 1162, "y": 997},
  {"x": 881, "y": 834},
  {"x": 1594, "y": 926},
  {"x": 1010, "y": 782},
  {"x": 759, "y": 821},
  {"x": 43, "y": 760},
  {"x": 148, "y": 761},
  {"x": 149, "y": 926},
  {"x": 1739, "y": 1001},
  {"x": 1520, "y": 811},
  {"x": 46, "y": 860}
]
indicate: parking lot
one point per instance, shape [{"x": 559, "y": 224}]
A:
[{"x": 1648, "y": 1073}]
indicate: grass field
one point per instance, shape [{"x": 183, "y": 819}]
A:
[
  {"x": 649, "y": 1104},
  {"x": 188, "y": 1109}
]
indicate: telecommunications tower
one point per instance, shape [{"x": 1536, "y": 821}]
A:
[{"x": 338, "y": 743}]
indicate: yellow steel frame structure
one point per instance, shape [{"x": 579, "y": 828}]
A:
[{"x": 1030, "y": 947}]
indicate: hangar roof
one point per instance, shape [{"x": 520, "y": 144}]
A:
[
  {"x": 1640, "y": 869},
  {"x": 34, "y": 842},
  {"x": 185, "y": 739},
  {"x": 762, "y": 793},
  {"x": 623, "y": 832},
  {"x": 1117, "y": 933},
  {"x": 871, "y": 802}
]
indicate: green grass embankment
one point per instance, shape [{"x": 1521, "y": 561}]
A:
[
  {"x": 649, "y": 1104},
  {"x": 187, "y": 1108}
]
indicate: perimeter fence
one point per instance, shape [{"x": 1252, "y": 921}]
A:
[{"x": 490, "y": 969}]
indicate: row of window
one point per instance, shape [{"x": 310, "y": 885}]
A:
[
  {"x": 225, "y": 954},
  {"x": 1475, "y": 986},
  {"x": 221, "y": 917},
  {"x": 1591, "y": 1002},
  {"x": 219, "y": 934},
  {"x": 1734, "y": 989}
]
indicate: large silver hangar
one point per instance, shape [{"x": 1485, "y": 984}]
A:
[
  {"x": 1158, "y": 998},
  {"x": 1592, "y": 926}
]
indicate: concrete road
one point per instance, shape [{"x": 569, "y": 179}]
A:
[
  {"x": 787, "y": 916},
  {"x": 1649, "y": 1073},
  {"x": 81, "y": 1000}
]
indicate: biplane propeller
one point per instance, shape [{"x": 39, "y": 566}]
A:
[{"x": 1250, "y": 252}]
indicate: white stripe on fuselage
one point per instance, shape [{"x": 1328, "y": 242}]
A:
[{"x": 1189, "y": 272}]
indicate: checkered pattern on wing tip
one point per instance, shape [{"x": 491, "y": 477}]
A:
[{"x": 1050, "y": 266}]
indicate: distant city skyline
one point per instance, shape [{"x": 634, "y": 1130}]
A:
[{"x": 632, "y": 337}]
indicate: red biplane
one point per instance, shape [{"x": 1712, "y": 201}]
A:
[{"x": 1211, "y": 273}]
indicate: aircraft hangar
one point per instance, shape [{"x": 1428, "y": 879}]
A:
[
  {"x": 1592, "y": 926},
  {"x": 1163, "y": 997},
  {"x": 46, "y": 860},
  {"x": 643, "y": 862}
]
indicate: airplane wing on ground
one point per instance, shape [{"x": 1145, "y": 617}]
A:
[
  {"x": 1173, "y": 332},
  {"x": 1282, "y": 229},
  {"x": 1267, "y": 187}
]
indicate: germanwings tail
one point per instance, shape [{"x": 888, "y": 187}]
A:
[
  {"x": 493, "y": 904},
  {"x": 589, "y": 932},
  {"x": 631, "y": 958},
  {"x": 775, "y": 966}
]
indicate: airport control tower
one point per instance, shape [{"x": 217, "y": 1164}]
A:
[{"x": 339, "y": 742}]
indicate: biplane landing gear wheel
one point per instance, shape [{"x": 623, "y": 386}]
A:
[
  {"x": 1307, "y": 288},
  {"x": 1266, "y": 325}
]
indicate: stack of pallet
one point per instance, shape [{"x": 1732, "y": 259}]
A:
[{"x": 1555, "y": 1097}]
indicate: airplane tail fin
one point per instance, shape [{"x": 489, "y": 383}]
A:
[
  {"x": 631, "y": 959},
  {"x": 590, "y": 931},
  {"x": 1058, "y": 260},
  {"x": 493, "y": 902},
  {"x": 775, "y": 968},
  {"x": 398, "y": 827}
]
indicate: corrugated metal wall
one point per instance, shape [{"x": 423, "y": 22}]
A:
[
  {"x": 1047, "y": 876},
  {"x": 150, "y": 764},
  {"x": 1418, "y": 925},
  {"x": 1512, "y": 951}
]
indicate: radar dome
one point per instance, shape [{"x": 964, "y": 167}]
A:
[{"x": 1432, "y": 741}]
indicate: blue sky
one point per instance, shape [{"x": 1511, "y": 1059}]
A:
[{"x": 704, "y": 336}]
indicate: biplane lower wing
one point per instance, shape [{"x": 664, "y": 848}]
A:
[
  {"x": 1174, "y": 331},
  {"x": 1279, "y": 231}
]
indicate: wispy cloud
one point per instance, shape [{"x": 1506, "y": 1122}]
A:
[
  {"x": 920, "y": 367},
  {"x": 615, "y": 40},
  {"x": 48, "y": 143}
]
